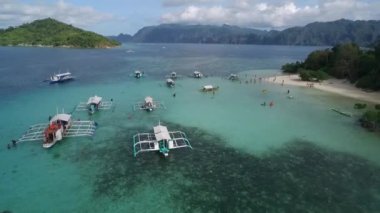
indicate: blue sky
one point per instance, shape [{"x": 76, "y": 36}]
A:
[{"x": 111, "y": 17}]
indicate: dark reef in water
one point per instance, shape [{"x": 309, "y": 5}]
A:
[{"x": 300, "y": 177}]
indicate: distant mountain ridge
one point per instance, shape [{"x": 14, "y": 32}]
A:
[
  {"x": 363, "y": 33},
  {"x": 50, "y": 32}
]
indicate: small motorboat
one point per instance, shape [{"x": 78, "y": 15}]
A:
[
  {"x": 61, "y": 77},
  {"x": 233, "y": 77},
  {"x": 209, "y": 88}
]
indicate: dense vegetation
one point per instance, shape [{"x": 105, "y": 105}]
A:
[
  {"x": 49, "y": 32},
  {"x": 344, "y": 61},
  {"x": 371, "y": 120},
  {"x": 362, "y": 33}
]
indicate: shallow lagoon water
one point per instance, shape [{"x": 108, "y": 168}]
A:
[{"x": 295, "y": 156}]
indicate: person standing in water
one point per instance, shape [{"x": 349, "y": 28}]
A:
[{"x": 271, "y": 104}]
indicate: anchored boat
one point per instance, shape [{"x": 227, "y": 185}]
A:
[
  {"x": 209, "y": 88},
  {"x": 94, "y": 104},
  {"x": 138, "y": 74},
  {"x": 148, "y": 104},
  {"x": 59, "y": 127},
  {"x": 160, "y": 140},
  {"x": 170, "y": 82},
  {"x": 197, "y": 74},
  {"x": 233, "y": 77},
  {"x": 61, "y": 77}
]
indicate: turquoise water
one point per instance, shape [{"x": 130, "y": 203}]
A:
[{"x": 297, "y": 156}]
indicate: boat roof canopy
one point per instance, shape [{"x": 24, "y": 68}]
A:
[
  {"x": 137, "y": 71},
  {"x": 148, "y": 99},
  {"x": 61, "y": 117},
  {"x": 169, "y": 80},
  {"x": 197, "y": 72},
  {"x": 161, "y": 133},
  {"x": 63, "y": 74},
  {"x": 94, "y": 100},
  {"x": 208, "y": 87}
]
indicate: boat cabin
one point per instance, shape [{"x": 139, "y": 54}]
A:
[
  {"x": 173, "y": 75},
  {"x": 233, "y": 77},
  {"x": 170, "y": 82},
  {"x": 209, "y": 88},
  {"x": 93, "y": 103},
  {"x": 138, "y": 74},
  {"x": 197, "y": 74},
  {"x": 160, "y": 140}
]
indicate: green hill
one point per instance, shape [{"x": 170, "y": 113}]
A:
[{"x": 50, "y": 32}]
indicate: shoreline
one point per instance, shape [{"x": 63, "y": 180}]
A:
[{"x": 336, "y": 86}]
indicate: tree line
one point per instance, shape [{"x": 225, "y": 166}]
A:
[{"x": 344, "y": 61}]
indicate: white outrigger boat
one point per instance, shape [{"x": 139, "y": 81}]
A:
[
  {"x": 197, "y": 74},
  {"x": 61, "y": 77},
  {"x": 59, "y": 127},
  {"x": 209, "y": 88},
  {"x": 233, "y": 77},
  {"x": 170, "y": 82},
  {"x": 94, "y": 104},
  {"x": 160, "y": 140},
  {"x": 138, "y": 74},
  {"x": 148, "y": 104}
]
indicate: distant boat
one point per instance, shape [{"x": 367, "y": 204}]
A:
[
  {"x": 170, "y": 82},
  {"x": 138, "y": 74},
  {"x": 209, "y": 88},
  {"x": 61, "y": 77},
  {"x": 233, "y": 77},
  {"x": 197, "y": 74}
]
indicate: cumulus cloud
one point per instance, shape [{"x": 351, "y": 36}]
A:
[
  {"x": 15, "y": 13},
  {"x": 274, "y": 14}
]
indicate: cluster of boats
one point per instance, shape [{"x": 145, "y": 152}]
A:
[{"x": 62, "y": 125}]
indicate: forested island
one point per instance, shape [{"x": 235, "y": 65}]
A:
[
  {"x": 363, "y": 33},
  {"x": 50, "y": 32}
]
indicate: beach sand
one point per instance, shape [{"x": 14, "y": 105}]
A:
[{"x": 337, "y": 86}]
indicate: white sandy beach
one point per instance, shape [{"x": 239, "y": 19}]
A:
[{"x": 341, "y": 87}]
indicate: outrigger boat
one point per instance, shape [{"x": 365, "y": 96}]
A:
[
  {"x": 59, "y": 127},
  {"x": 148, "y": 104},
  {"x": 94, "y": 104},
  {"x": 138, "y": 74},
  {"x": 160, "y": 140},
  {"x": 61, "y": 77},
  {"x": 233, "y": 77},
  {"x": 170, "y": 82},
  {"x": 209, "y": 88},
  {"x": 197, "y": 74}
]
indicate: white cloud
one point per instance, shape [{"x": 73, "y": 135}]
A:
[
  {"x": 277, "y": 14},
  {"x": 176, "y": 3},
  {"x": 15, "y": 13}
]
